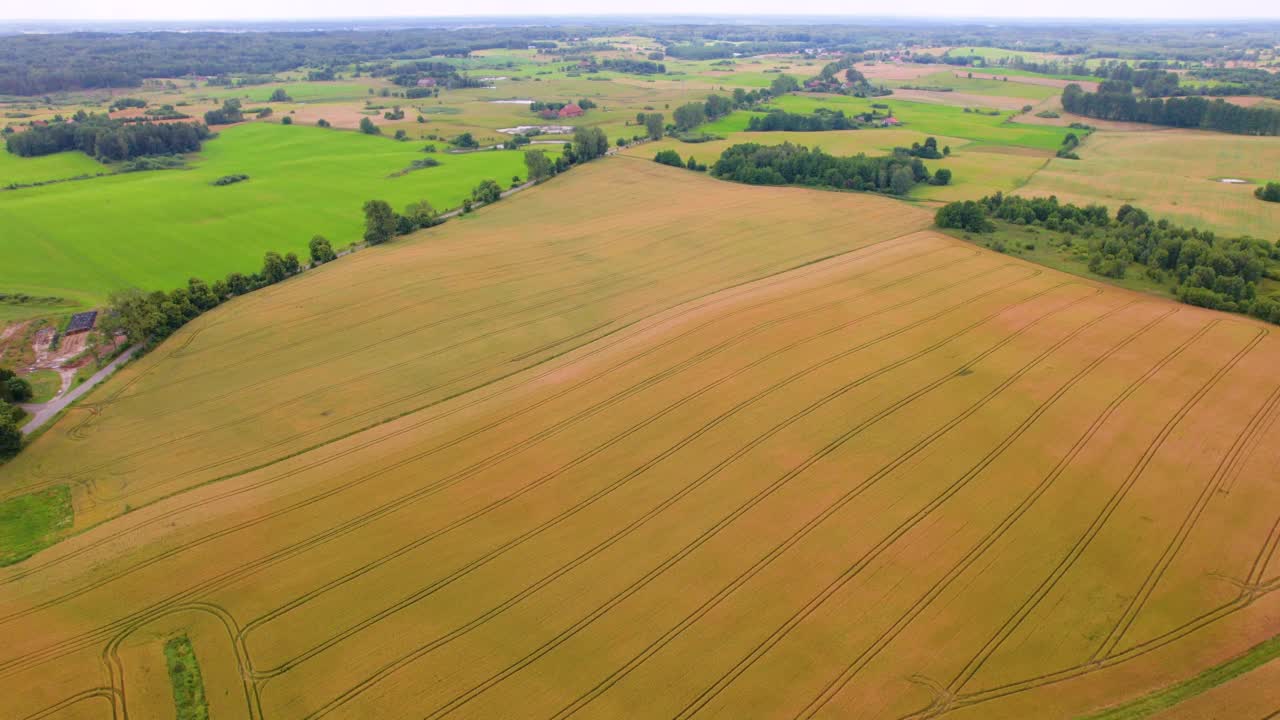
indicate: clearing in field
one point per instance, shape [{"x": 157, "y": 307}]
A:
[{"x": 676, "y": 448}]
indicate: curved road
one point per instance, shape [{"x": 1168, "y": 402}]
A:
[{"x": 44, "y": 412}]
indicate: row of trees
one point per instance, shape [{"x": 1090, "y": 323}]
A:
[
  {"x": 820, "y": 120},
  {"x": 789, "y": 164},
  {"x": 108, "y": 140},
  {"x": 634, "y": 67},
  {"x": 149, "y": 317},
  {"x": 1201, "y": 268},
  {"x": 1115, "y": 101}
]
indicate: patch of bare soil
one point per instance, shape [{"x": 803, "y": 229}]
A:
[
  {"x": 339, "y": 116},
  {"x": 896, "y": 71}
]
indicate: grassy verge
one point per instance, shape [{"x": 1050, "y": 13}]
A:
[
  {"x": 184, "y": 674},
  {"x": 1255, "y": 657},
  {"x": 29, "y": 523},
  {"x": 45, "y": 384}
]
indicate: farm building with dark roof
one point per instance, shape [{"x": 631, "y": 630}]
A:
[{"x": 82, "y": 322}]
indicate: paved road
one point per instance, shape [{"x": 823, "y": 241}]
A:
[{"x": 44, "y": 412}]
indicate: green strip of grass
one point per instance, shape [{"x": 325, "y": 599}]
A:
[
  {"x": 184, "y": 674},
  {"x": 30, "y": 523},
  {"x": 45, "y": 384},
  {"x": 1257, "y": 656}
]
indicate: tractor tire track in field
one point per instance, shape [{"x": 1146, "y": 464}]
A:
[
  {"x": 710, "y": 299},
  {"x": 91, "y": 488},
  {"x": 1256, "y": 422},
  {"x": 637, "y": 273},
  {"x": 1099, "y": 521},
  {"x": 745, "y": 663},
  {"x": 115, "y": 666},
  {"x": 956, "y": 701},
  {"x": 594, "y": 351},
  {"x": 475, "y": 564},
  {"x": 835, "y": 686},
  {"x": 351, "y": 525},
  {"x": 97, "y": 693},
  {"x": 576, "y": 507},
  {"x": 239, "y": 421},
  {"x": 609, "y": 239},
  {"x": 705, "y": 536}
]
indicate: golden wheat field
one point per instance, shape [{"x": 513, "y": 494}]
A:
[{"x": 639, "y": 443}]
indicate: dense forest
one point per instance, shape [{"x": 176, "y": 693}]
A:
[
  {"x": 45, "y": 62},
  {"x": 789, "y": 164},
  {"x": 1115, "y": 100},
  {"x": 1201, "y": 268},
  {"x": 108, "y": 140},
  {"x": 37, "y": 64}
]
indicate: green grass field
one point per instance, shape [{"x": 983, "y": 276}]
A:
[
  {"x": 28, "y": 521},
  {"x": 16, "y": 170},
  {"x": 300, "y": 92},
  {"x": 937, "y": 120},
  {"x": 81, "y": 240},
  {"x": 44, "y": 385}
]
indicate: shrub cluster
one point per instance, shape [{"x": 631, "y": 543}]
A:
[
  {"x": 1269, "y": 192},
  {"x": 672, "y": 158},
  {"x": 1202, "y": 268},
  {"x": 789, "y": 164}
]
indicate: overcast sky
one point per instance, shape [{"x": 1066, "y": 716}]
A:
[{"x": 298, "y": 9}]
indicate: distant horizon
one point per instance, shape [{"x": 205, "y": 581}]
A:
[{"x": 241, "y": 11}]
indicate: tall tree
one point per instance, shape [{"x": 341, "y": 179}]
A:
[
  {"x": 655, "y": 125},
  {"x": 538, "y": 165},
  {"x": 379, "y": 222},
  {"x": 689, "y": 116}
]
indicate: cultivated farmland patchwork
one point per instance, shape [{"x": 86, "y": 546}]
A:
[{"x": 868, "y": 471}]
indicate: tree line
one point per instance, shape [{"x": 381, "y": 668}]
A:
[
  {"x": 1200, "y": 267},
  {"x": 35, "y": 64},
  {"x": 108, "y": 140},
  {"x": 820, "y": 120},
  {"x": 1115, "y": 100},
  {"x": 789, "y": 164}
]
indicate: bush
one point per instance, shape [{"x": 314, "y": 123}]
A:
[
  {"x": 487, "y": 191},
  {"x": 968, "y": 215},
  {"x": 669, "y": 157},
  {"x": 230, "y": 180},
  {"x": 321, "y": 250},
  {"x": 1269, "y": 192}
]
